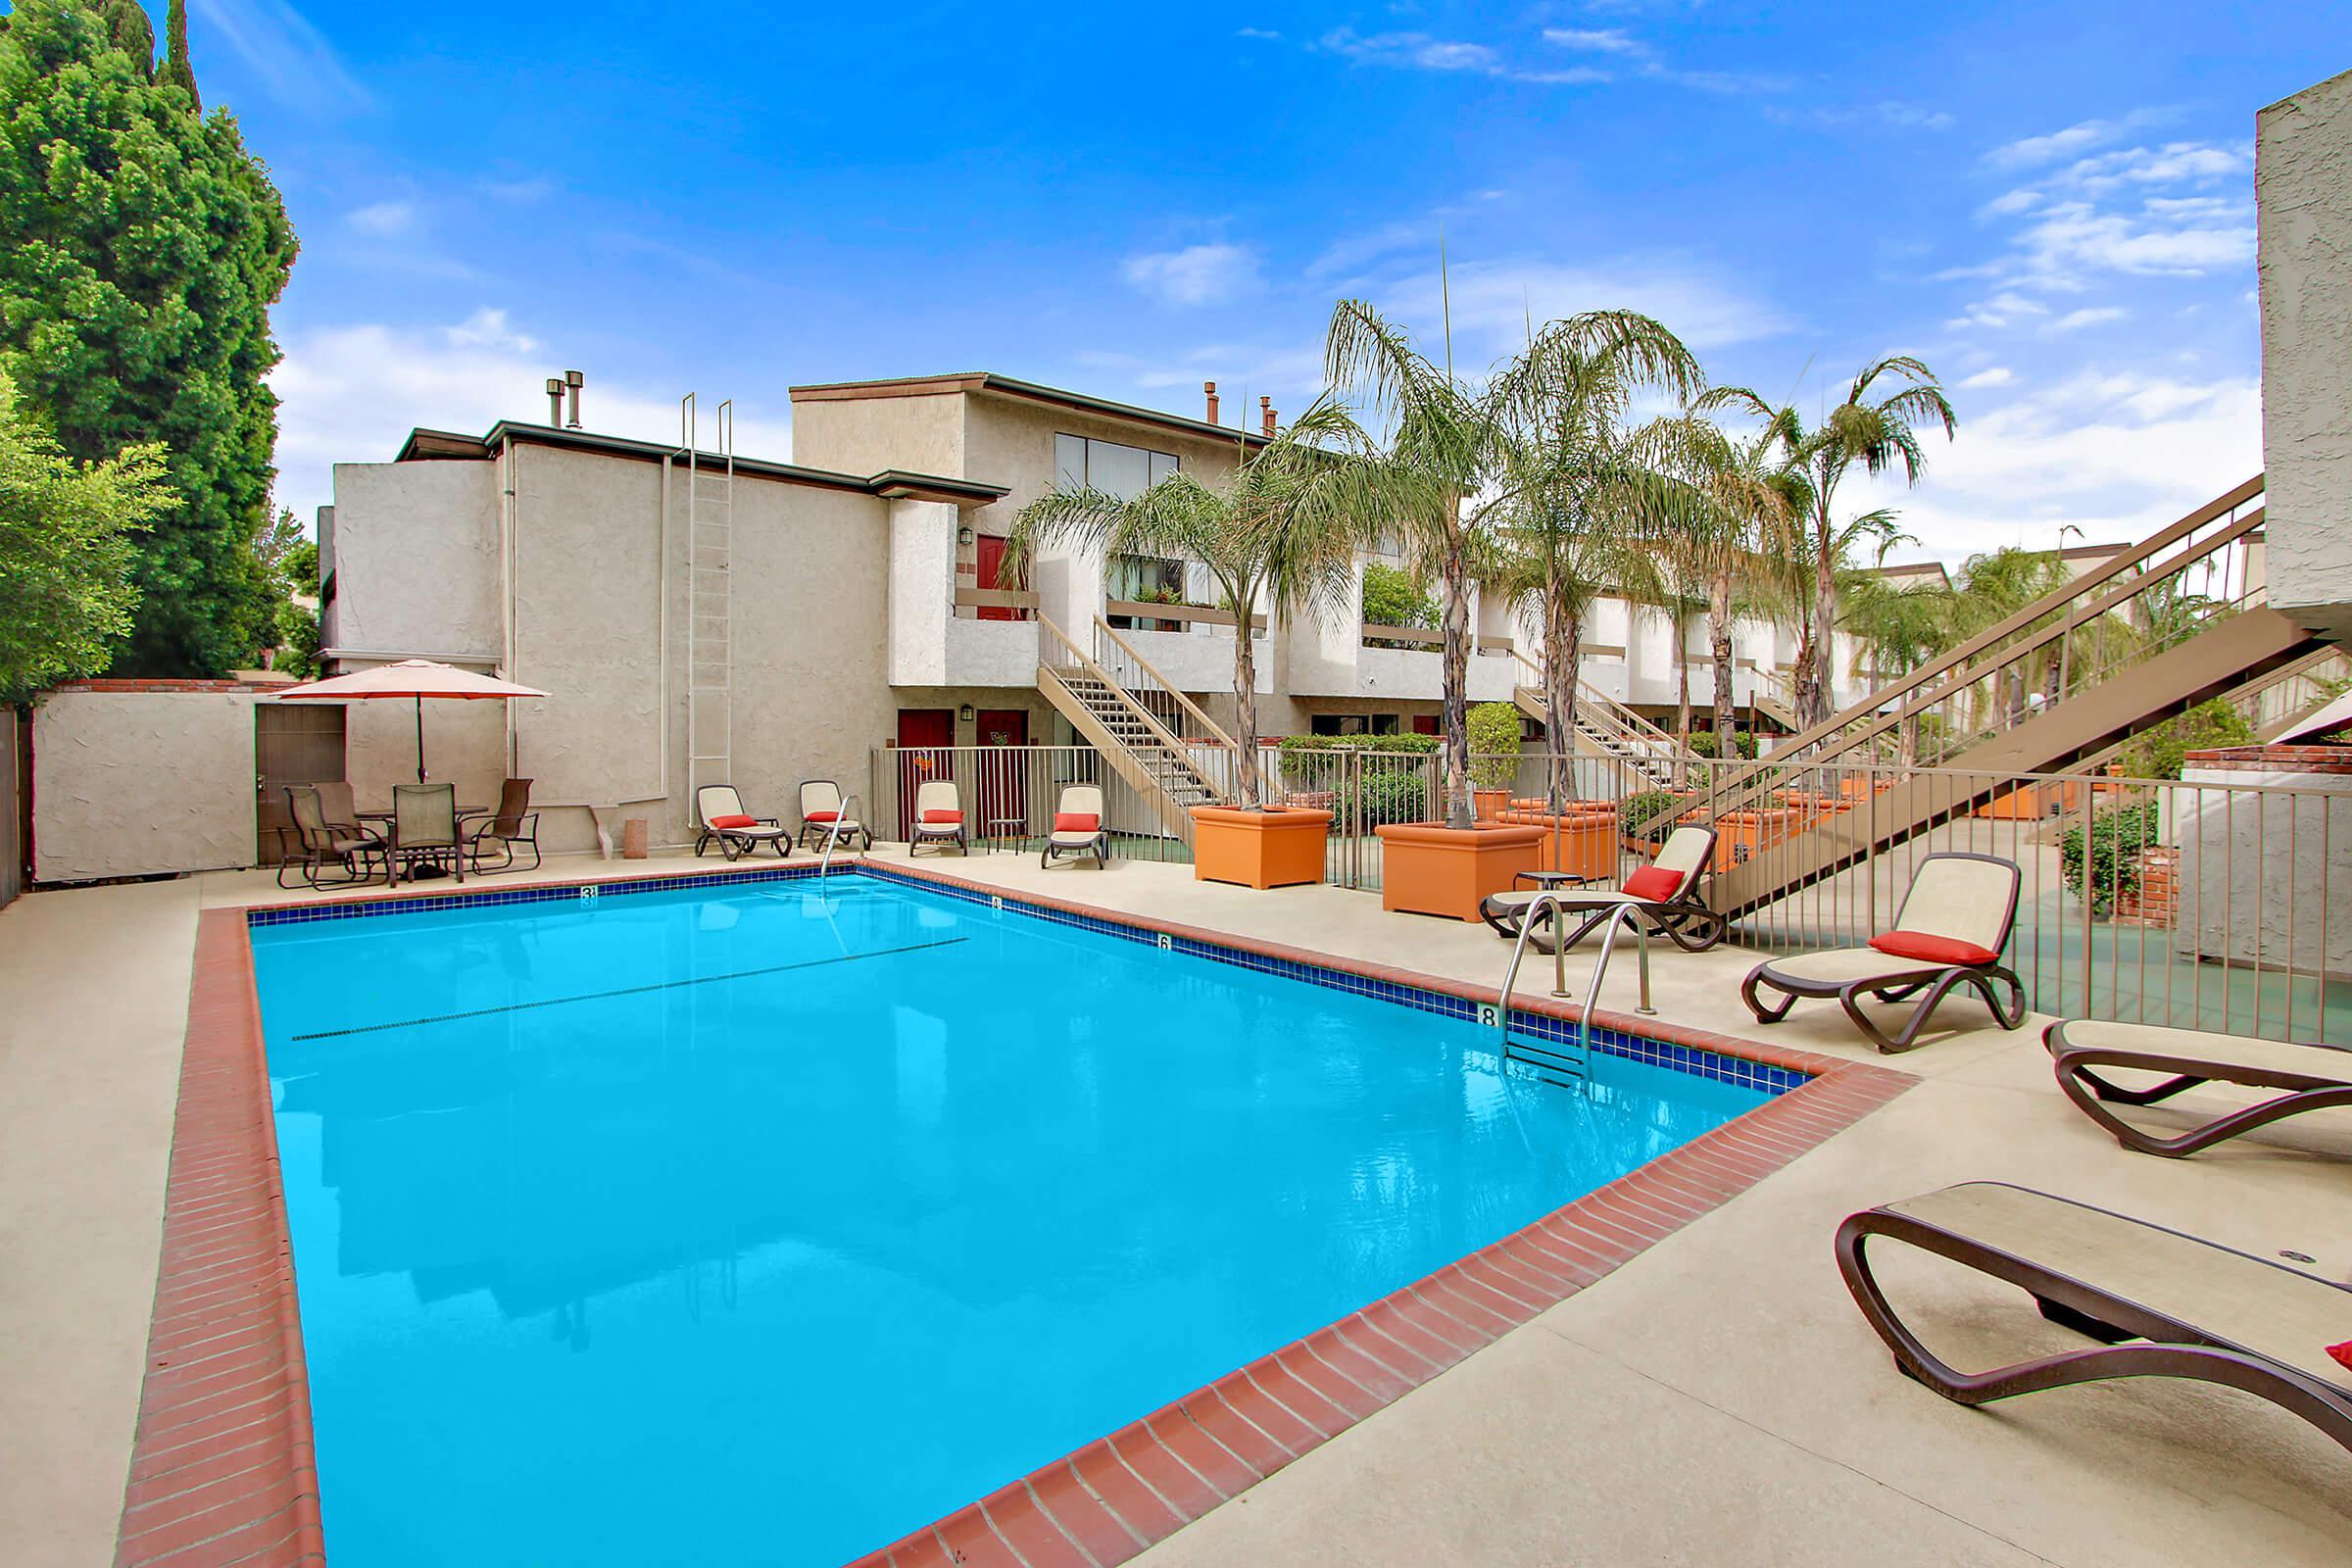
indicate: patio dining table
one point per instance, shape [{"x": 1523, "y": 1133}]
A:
[{"x": 422, "y": 873}]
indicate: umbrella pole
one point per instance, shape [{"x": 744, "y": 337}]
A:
[{"x": 420, "y": 740}]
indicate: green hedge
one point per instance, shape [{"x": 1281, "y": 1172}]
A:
[
  {"x": 1744, "y": 743},
  {"x": 1409, "y": 745},
  {"x": 2118, "y": 838},
  {"x": 1639, "y": 812}
]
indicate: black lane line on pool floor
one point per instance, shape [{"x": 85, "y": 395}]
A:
[{"x": 626, "y": 991}]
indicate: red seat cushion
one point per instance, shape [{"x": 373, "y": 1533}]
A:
[
  {"x": 820, "y": 817},
  {"x": 1929, "y": 948},
  {"x": 1077, "y": 822},
  {"x": 2342, "y": 1354},
  {"x": 734, "y": 821},
  {"x": 951, "y": 818},
  {"x": 1653, "y": 882}
]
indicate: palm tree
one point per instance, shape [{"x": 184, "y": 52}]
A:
[
  {"x": 1900, "y": 628},
  {"x": 1584, "y": 500},
  {"x": 1994, "y": 587},
  {"x": 1440, "y": 435},
  {"x": 1881, "y": 435},
  {"x": 1283, "y": 535}
]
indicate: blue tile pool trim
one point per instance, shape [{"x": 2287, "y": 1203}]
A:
[{"x": 1765, "y": 1077}]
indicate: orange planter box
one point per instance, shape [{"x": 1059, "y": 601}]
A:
[
  {"x": 1270, "y": 849},
  {"x": 1582, "y": 840},
  {"x": 1429, "y": 868}
]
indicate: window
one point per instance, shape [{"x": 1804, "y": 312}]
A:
[
  {"x": 1121, "y": 471},
  {"x": 1149, "y": 578}
]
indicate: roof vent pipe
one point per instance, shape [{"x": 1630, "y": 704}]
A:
[
  {"x": 555, "y": 400},
  {"x": 574, "y": 380},
  {"x": 1209, "y": 389},
  {"x": 1266, "y": 415}
]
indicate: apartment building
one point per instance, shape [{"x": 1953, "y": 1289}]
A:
[{"x": 698, "y": 617}]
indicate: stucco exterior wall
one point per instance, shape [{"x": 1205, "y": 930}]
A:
[
  {"x": 416, "y": 557},
  {"x": 136, "y": 784},
  {"x": 2303, "y": 198},
  {"x": 2256, "y": 870},
  {"x": 866, "y": 435}
]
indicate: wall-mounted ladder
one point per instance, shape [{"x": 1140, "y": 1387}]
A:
[{"x": 710, "y": 616}]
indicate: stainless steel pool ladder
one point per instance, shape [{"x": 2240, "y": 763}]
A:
[
  {"x": 841, "y": 814},
  {"x": 1553, "y": 901}
]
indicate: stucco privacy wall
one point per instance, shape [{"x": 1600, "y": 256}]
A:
[
  {"x": 137, "y": 783},
  {"x": 2303, "y": 199}
]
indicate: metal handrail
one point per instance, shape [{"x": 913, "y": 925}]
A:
[
  {"x": 1209, "y": 727},
  {"x": 1609, "y": 714},
  {"x": 1618, "y": 918},
  {"x": 841, "y": 814},
  {"x": 1176, "y": 751}
]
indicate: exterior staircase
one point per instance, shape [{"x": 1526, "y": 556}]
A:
[
  {"x": 1123, "y": 708},
  {"x": 1607, "y": 728},
  {"x": 2086, "y": 642}
]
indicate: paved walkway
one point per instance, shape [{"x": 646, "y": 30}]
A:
[{"x": 1717, "y": 1399}]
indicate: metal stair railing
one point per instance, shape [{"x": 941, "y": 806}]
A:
[
  {"x": 1609, "y": 717},
  {"x": 1166, "y": 759}
]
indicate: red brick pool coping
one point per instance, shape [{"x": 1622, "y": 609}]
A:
[{"x": 222, "y": 1470}]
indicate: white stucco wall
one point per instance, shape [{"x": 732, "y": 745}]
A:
[
  {"x": 135, "y": 784},
  {"x": 2257, "y": 867},
  {"x": 2303, "y": 198},
  {"x": 416, "y": 557},
  {"x": 867, "y": 435},
  {"x": 922, "y": 579}
]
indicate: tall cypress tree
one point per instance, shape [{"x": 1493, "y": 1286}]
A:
[
  {"x": 145, "y": 249},
  {"x": 176, "y": 71}
]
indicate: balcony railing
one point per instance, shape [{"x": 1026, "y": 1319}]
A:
[
  {"x": 1018, "y": 604},
  {"x": 1183, "y": 616},
  {"x": 1429, "y": 639}
]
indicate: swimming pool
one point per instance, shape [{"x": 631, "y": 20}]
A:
[{"x": 767, "y": 1223}]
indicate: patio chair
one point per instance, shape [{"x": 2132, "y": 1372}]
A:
[
  {"x": 938, "y": 818},
  {"x": 424, "y": 829},
  {"x": 1078, "y": 826},
  {"x": 1949, "y": 932},
  {"x": 723, "y": 821},
  {"x": 1665, "y": 892},
  {"x": 2313, "y": 1077},
  {"x": 822, "y": 807},
  {"x": 316, "y": 841},
  {"x": 513, "y": 823},
  {"x": 2162, "y": 1304}
]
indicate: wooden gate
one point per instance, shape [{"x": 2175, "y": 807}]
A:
[{"x": 293, "y": 743}]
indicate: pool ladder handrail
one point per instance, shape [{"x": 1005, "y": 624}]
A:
[
  {"x": 1620, "y": 917},
  {"x": 841, "y": 814}
]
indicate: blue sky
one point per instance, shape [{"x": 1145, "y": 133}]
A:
[{"x": 2052, "y": 204}]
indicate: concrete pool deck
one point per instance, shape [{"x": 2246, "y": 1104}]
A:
[{"x": 1718, "y": 1398}]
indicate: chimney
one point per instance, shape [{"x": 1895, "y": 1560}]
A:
[
  {"x": 1211, "y": 389},
  {"x": 574, "y": 380},
  {"x": 1266, "y": 415},
  {"x": 555, "y": 400}
]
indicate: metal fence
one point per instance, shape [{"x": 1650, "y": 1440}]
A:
[{"x": 1009, "y": 795}]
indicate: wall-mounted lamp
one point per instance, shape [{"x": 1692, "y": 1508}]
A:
[
  {"x": 963, "y": 535},
  {"x": 965, "y": 712}
]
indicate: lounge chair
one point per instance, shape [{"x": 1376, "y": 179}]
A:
[
  {"x": 513, "y": 823},
  {"x": 822, "y": 809},
  {"x": 325, "y": 850},
  {"x": 424, "y": 830},
  {"x": 1949, "y": 932},
  {"x": 1665, "y": 892},
  {"x": 1078, "y": 826},
  {"x": 2313, "y": 1077},
  {"x": 725, "y": 822},
  {"x": 938, "y": 818},
  {"x": 2161, "y": 1302}
]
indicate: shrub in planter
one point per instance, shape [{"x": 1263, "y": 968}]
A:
[
  {"x": 1743, "y": 743},
  {"x": 1384, "y": 796},
  {"x": 1640, "y": 812},
  {"x": 1494, "y": 745}
]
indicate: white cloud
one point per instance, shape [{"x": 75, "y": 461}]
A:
[
  {"x": 1598, "y": 40},
  {"x": 352, "y": 393},
  {"x": 1264, "y": 34},
  {"x": 2183, "y": 209},
  {"x": 2031, "y": 150},
  {"x": 2117, "y": 455},
  {"x": 2010, "y": 204},
  {"x": 536, "y": 187},
  {"x": 383, "y": 219},
  {"x": 290, "y": 58},
  {"x": 1993, "y": 375},
  {"x": 1196, "y": 274},
  {"x": 1414, "y": 50},
  {"x": 2091, "y": 316},
  {"x": 1918, "y": 116}
]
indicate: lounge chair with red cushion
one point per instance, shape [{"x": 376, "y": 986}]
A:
[
  {"x": 823, "y": 814},
  {"x": 938, "y": 818},
  {"x": 1078, "y": 826},
  {"x": 725, "y": 822},
  {"x": 1665, "y": 892},
  {"x": 1949, "y": 932}
]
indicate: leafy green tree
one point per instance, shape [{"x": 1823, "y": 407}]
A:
[
  {"x": 177, "y": 71},
  {"x": 145, "y": 246},
  {"x": 1393, "y": 598},
  {"x": 67, "y": 532}
]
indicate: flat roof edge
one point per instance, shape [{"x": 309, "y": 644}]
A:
[{"x": 427, "y": 445}]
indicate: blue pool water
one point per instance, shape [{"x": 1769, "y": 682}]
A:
[{"x": 756, "y": 1225}]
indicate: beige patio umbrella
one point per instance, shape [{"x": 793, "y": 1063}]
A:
[{"x": 414, "y": 678}]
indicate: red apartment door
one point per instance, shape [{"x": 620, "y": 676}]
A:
[
  {"x": 991, "y": 560},
  {"x": 1003, "y": 791},
  {"x": 925, "y": 736}
]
